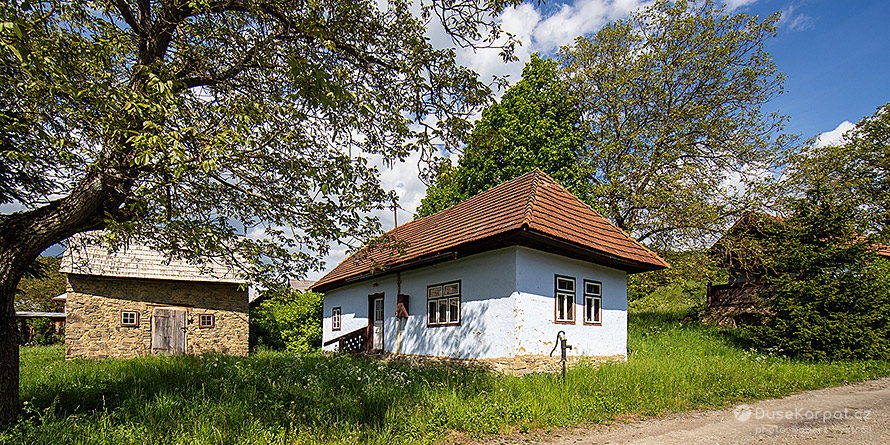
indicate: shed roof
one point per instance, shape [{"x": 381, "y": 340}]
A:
[
  {"x": 532, "y": 210},
  {"x": 35, "y": 314},
  {"x": 140, "y": 261}
]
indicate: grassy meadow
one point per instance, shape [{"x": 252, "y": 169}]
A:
[{"x": 282, "y": 398}]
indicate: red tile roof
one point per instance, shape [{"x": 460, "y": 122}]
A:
[{"x": 532, "y": 209}]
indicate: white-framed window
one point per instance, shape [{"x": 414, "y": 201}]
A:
[
  {"x": 206, "y": 320},
  {"x": 129, "y": 318},
  {"x": 335, "y": 318},
  {"x": 593, "y": 302},
  {"x": 565, "y": 299},
  {"x": 443, "y": 304}
]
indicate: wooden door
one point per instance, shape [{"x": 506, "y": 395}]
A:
[
  {"x": 168, "y": 328},
  {"x": 377, "y": 321}
]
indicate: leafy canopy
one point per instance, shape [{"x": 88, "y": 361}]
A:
[
  {"x": 672, "y": 109},
  {"x": 186, "y": 123},
  {"x": 289, "y": 320},
  {"x": 656, "y": 122},
  {"x": 857, "y": 170},
  {"x": 35, "y": 291}
]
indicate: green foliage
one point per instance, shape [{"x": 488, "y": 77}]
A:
[
  {"x": 275, "y": 397},
  {"x": 288, "y": 320},
  {"x": 830, "y": 296},
  {"x": 857, "y": 170},
  {"x": 35, "y": 292},
  {"x": 186, "y": 124},
  {"x": 43, "y": 332},
  {"x": 685, "y": 281},
  {"x": 535, "y": 125},
  {"x": 648, "y": 121},
  {"x": 672, "y": 100}
]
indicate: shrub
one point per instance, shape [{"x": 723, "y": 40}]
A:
[
  {"x": 288, "y": 319},
  {"x": 842, "y": 315},
  {"x": 43, "y": 332},
  {"x": 830, "y": 291}
]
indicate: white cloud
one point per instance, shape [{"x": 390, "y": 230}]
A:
[
  {"x": 796, "y": 22},
  {"x": 836, "y": 136},
  {"x": 732, "y": 5},
  {"x": 542, "y": 29}
]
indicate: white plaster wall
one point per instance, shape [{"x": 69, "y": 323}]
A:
[
  {"x": 487, "y": 311},
  {"x": 535, "y": 329},
  {"x": 507, "y": 307}
]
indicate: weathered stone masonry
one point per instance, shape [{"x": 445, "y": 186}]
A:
[{"x": 95, "y": 303}]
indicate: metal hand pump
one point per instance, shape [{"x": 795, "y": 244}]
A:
[{"x": 561, "y": 342}]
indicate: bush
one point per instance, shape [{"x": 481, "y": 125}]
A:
[
  {"x": 43, "y": 332},
  {"x": 830, "y": 292},
  {"x": 288, "y": 319},
  {"x": 832, "y": 315}
]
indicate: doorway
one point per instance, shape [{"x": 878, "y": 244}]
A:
[
  {"x": 375, "y": 320},
  {"x": 168, "y": 331}
]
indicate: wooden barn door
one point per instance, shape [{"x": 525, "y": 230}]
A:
[{"x": 168, "y": 331}]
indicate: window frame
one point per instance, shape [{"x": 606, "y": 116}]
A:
[
  {"x": 134, "y": 323},
  {"x": 202, "y": 325},
  {"x": 336, "y": 318},
  {"x": 598, "y": 320},
  {"x": 446, "y": 303},
  {"x": 557, "y": 292}
]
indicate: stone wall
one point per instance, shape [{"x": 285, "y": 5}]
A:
[
  {"x": 94, "y": 308},
  {"x": 520, "y": 365}
]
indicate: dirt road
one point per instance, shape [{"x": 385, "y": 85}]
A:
[{"x": 852, "y": 414}]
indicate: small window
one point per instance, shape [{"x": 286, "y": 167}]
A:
[
  {"x": 335, "y": 319},
  {"x": 206, "y": 320},
  {"x": 593, "y": 302},
  {"x": 129, "y": 318},
  {"x": 565, "y": 299},
  {"x": 443, "y": 304}
]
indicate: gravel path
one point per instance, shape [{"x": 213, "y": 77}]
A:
[{"x": 852, "y": 414}]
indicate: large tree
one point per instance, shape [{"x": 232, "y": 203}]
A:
[
  {"x": 829, "y": 293},
  {"x": 677, "y": 142},
  {"x": 656, "y": 121},
  {"x": 857, "y": 169},
  {"x": 186, "y": 123}
]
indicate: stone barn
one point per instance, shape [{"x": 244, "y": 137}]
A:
[{"x": 136, "y": 302}]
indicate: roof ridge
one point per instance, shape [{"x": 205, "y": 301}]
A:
[{"x": 533, "y": 197}]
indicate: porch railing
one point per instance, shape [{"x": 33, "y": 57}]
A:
[{"x": 354, "y": 342}]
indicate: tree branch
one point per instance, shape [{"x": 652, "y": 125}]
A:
[{"x": 127, "y": 15}]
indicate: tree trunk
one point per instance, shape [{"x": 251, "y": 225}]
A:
[
  {"x": 23, "y": 236},
  {"x": 9, "y": 357}
]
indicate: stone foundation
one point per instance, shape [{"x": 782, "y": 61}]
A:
[
  {"x": 509, "y": 365},
  {"x": 94, "y": 306}
]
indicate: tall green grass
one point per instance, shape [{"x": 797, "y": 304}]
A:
[{"x": 284, "y": 398}]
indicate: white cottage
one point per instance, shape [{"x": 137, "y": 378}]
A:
[{"x": 495, "y": 277}]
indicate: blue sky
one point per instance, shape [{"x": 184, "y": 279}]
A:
[
  {"x": 836, "y": 54},
  {"x": 837, "y": 59}
]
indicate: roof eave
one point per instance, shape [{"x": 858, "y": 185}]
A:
[{"x": 522, "y": 236}]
